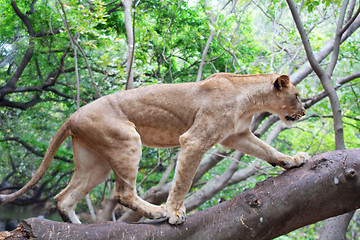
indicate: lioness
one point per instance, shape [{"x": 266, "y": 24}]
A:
[{"x": 108, "y": 133}]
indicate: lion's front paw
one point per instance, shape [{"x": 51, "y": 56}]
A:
[
  {"x": 300, "y": 158},
  {"x": 296, "y": 161},
  {"x": 176, "y": 216}
]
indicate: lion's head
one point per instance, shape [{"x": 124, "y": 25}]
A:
[{"x": 289, "y": 107}]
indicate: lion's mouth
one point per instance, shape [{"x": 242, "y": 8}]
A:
[
  {"x": 295, "y": 116},
  {"x": 290, "y": 118}
]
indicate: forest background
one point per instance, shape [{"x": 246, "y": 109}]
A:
[{"x": 58, "y": 55}]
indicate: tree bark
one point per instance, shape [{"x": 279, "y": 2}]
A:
[
  {"x": 131, "y": 42},
  {"x": 335, "y": 227},
  {"x": 326, "y": 186}
]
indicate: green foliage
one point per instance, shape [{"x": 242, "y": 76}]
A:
[{"x": 170, "y": 37}]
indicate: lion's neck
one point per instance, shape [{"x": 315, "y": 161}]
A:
[{"x": 255, "y": 96}]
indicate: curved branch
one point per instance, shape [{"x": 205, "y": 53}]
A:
[
  {"x": 24, "y": 105},
  {"x": 10, "y": 85},
  {"x": 318, "y": 97}
]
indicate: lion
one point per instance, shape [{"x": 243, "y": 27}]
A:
[{"x": 108, "y": 134}]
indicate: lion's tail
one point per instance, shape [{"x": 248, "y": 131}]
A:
[{"x": 57, "y": 140}]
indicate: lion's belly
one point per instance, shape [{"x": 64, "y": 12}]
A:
[{"x": 162, "y": 138}]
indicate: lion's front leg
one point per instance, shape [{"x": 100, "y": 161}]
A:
[
  {"x": 192, "y": 150},
  {"x": 248, "y": 143}
]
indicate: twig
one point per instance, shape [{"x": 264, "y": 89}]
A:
[{"x": 64, "y": 18}]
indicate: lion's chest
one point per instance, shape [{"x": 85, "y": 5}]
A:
[{"x": 163, "y": 138}]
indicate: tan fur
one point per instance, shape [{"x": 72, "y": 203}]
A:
[{"x": 108, "y": 134}]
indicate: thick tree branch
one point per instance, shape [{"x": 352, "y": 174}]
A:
[
  {"x": 294, "y": 199},
  {"x": 11, "y": 84}
]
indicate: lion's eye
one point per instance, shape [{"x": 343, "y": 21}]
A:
[{"x": 297, "y": 96}]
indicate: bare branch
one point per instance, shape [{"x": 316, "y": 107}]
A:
[
  {"x": 213, "y": 186},
  {"x": 127, "y": 4},
  {"x": 72, "y": 40},
  {"x": 207, "y": 46},
  {"x": 348, "y": 24},
  {"x": 323, "y": 76},
  {"x": 306, "y": 69},
  {"x": 338, "y": 33}
]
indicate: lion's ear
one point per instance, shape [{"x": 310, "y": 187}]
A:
[{"x": 281, "y": 82}]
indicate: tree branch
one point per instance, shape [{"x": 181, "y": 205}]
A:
[
  {"x": 337, "y": 38},
  {"x": 306, "y": 69},
  {"x": 294, "y": 199},
  {"x": 207, "y": 46},
  {"x": 131, "y": 43},
  {"x": 24, "y": 18},
  {"x": 348, "y": 24},
  {"x": 323, "y": 76},
  {"x": 213, "y": 186},
  {"x": 25, "y": 105},
  {"x": 74, "y": 42}
]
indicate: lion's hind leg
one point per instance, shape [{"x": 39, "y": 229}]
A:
[
  {"x": 90, "y": 170},
  {"x": 124, "y": 161}
]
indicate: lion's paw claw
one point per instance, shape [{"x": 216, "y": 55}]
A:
[{"x": 177, "y": 217}]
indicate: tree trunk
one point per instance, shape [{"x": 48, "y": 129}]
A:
[
  {"x": 326, "y": 186},
  {"x": 131, "y": 42}
]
